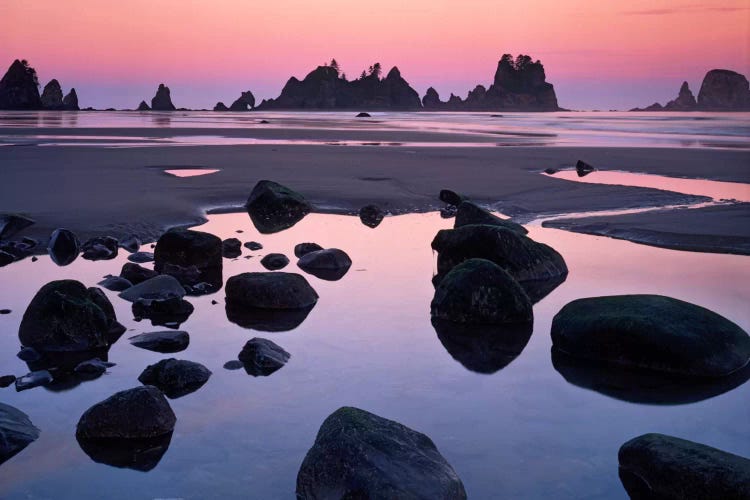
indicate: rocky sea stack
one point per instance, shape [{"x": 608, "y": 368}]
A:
[
  {"x": 519, "y": 85},
  {"x": 19, "y": 88},
  {"x": 162, "y": 101},
  {"x": 52, "y": 96},
  {"x": 721, "y": 90}
]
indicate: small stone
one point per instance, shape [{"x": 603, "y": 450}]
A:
[
  {"x": 163, "y": 341},
  {"x": 115, "y": 283},
  {"x": 7, "y": 380},
  {"x": 92, "y": 367},
  {"x": 261, "y": 357},
  {"x": 304, "y": 248},
  {"x": 235, "y": 364},
  {"x": 5, "y": 311},
  {"x": 274, "y": 261},
  {"x": 253, "y": 245},
  {"x": 33, "y": 379}
]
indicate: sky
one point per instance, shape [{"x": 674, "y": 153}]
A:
[{"x": 599, "y": 54}]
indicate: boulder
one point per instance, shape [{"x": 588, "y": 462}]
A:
[
  {"x": 10, "y": 224},
  {"x": 273, "y": 207},
  {"x": 19, "y": 87},
  {"x": 175, "y": 377},
  {"x": 52, "y": 96},
  {"x": 115, "y": 283},
  {"x": 131, "y": 243},
  {"x": 141, "y": 257},
  {"x": 537, "y": 267},
  {"x": 16, "y": 249},
  {"x": 651, "y": 332},
  {"x": 301, "y": 249},
  {"x": 231, "y": 248},
  {"x": 184, "y": 247},
  {"x": 143, "y": 107},
  {"x": 92, "y": 368},
  {"x": 100, "y": 248},
  {"x": 330, "y": 260},
  {"x": 142, "y": 412},
  {"x": 136, "y": 274},
  {"x": 220, "y": 106},
  {"x": 162, "y": 100},
  {"x": 16, "y": 432},
  {"x": 253, "y": 245},
  {"x": 358, "y": 454},
  {"x": 667, "y": 467},
  {"x": 724, "y": 90},
  {"x": 478, "y": 291},
  {"x": 63, "y": 247},
  {"x": 274, "y": 261},
  {"x": 363, "y": 115},
  {"x": 371, "y": 215},
  {"x": 66, "y": 316},
  {"x": 160, "y": 287},
  {"x": 270, "y": 291},
  {"x": 261, "y": 357},
  {"x": 6, "y": 258},
  {"x": 583, "y": 169},
  {"x": 70, "y": 101},
  {"x": 469, "y": 213},
  {"x": 245, "y": 102},
  {"x": 450, "y": 197},
  {"x": 169, "y": 312},
  {"x": 164, "y": 342},
  {"x": 33, "y": 379}
]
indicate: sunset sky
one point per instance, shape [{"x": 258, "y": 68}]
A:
[{"x": 598, "y": 54}]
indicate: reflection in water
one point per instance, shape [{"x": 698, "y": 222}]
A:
[
  {"x": 483, "y": 348},
  {"x": 161, "y": 120},
  {"x": 638, "y": 386},
  {"x": 137, "y": 454},
  {"x": 274, "y": 222},
  {"x": 267, "y": 320}
]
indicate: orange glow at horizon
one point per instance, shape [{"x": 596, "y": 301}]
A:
[{"x": 434, "y": 42}]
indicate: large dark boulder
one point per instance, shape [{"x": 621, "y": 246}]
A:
[
  {"x": 470, "y": 213},
  {"x": 360, "y": 455},
  {"x": 184, "y": 247},
  {"x": 52, "y": 96},
  {"x": 651, "y": 332},
  {"x": 19, "y": 87},
  {"x": 669, "y": 468},
  {"x": 10, "y": 224},
  {"x": 66, "y": 316},
  {"x": 63, "y": 247},
  {"x": 175, "y": 377},
  {"x": 70, "y": 101},
  {"x": 261, "y": 357},
  {"x": 171, "y": 312},
  {"x": 245, "y": 102},
  {"x": 536, "y": 266},
  {"x": 136, "y": 274},
  {"x": 231, "y": 248},
  {"x": 270, "y": 291},
  {"x": 100, "y": 248},
  {"x": 273, "y": 207},
  {"x": 371, "y": 215},
  {"x": 16, "y": 432},
  {"x": 724, "y": 90},
  {"x": 478, "y": 291},
  {"x": 162, "y": 101}
]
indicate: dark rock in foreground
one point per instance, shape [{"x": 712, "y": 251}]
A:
[
  {"x": 253, "y": 245},
  {"x": 273, "y": 207},
  {"x": 478, "y": 291},
  {"x": 583, "y": 169},
  {"x": 175, "y": 377},
  {"x": 10, "y": 224},
  {"x": 136, "y": 274},
  {"x": 6, "y": 258},
  {"x": 164, "y": 342},
  {"x": 185, "y": 248},
  {"x": 16, "y": 432},
  {"x": 469, "y": 213},
  {"x": 666, "y": 467},
  {"x": 162, "y": 100},
  {"x": 131, "y": 243},
  {"x": 92, "y": 368},
  {"x": 100, "y": 248},
  {"x": 651, "y": 332},
  {"x": 63, "y": 247},
  {"x": 358, "y": 454},
  {"x": 301, "y": 249},
  {"x": 270, "y": 291},
  {"x": 33, "y": 379},
  {"x": 329, "y": 264},
  {"x": 261, "y": 357},
  {"x": 274, "y": 261},
  {"x": 137, "y": 413},
  {"x": 371, "y": 215},
  {"x": 66, "y": 316}
]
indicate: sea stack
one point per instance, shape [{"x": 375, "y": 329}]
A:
[
  {"x": 724, "y": 90},
  {"x": 52, "y": 96},
  {"x": 70, "y": 101},
  {"x": 245, "y": 102},
  {"x": 162, "y": 100},
  {"x": 19, "y": 88}
]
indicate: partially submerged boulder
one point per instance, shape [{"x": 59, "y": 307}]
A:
[
  {"x": 16, "y": 432},
  {"x": 583, "y": 169},
  {"x": 478, "y": 291},
  {"x": 100, "y": 248},
  {"x": 666, "y": 467},
  {"x": 175, "y": 377},
  {"x": 651, "y": 332},
  {"x": 231, "y": 248},
  {"x": 358, "y": 454},
  {"x": 328, "y": 264},
  {"x": 274, "y": 261},
  {"x": 270, "y": 291},
  {"x": 163, "y": 341},
  {"x": 301, "y": 249},
  {"x": 184, "y": 247},
  {"x": 141, "y": 257},
  {"x": 161, "y": 287},
  {"x": 273, "y": 207},
  {"x": 371, "y": 215},
  {"x": 63, "y": 247},
  {"x": 115, "y": 283},
  {"x": 469, "y": 213},
  {"x": 261, "y": 357},
  {"x": 136, "y": 274}
]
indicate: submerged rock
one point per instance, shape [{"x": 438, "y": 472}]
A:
[
  {"x": 100, "y": 248},
  {"x": 583, "y": 168},
  {"x": 164, "y": 342},
  {"x": 261, "y": 357},
  {"x": 63, "y": 247},
  {"x": 16, "y": 432},
  {"x": 115, "y": 283},
  {"x": 131, "y": 243},
  {"x": 274, "y": 261},
  {"x": 136, "y": 274},
  {"x": 66, "y": 316},
  {"x": 231, "y": 248},
  {"x": 10, "y": 224},
  {"x": 358, "y": 454},
  {"x": 175, "y": 377},
  {"x": 469, "y": 213},
  {"x": 478, "y": 291},
  {"x": 328, "y": 264},
  {"x": 301, "y": 249},
  {"x": 273, "y": 207},
  {"x": 270, "y": 291},
  {"x": 92, "y": 367},
  {"x": 161, "y": 287},
  {"x": 651, "y": 332},
  {"x": 666, "y": 467},
  {"x": 162, "y": 101},
  {"x": 371, "y": 215}
]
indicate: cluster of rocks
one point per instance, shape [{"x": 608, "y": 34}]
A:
[
  {"x": 19, "y": 90},
  {"x": 245, "y": 102},
  {"x": 162, "y": 101},
  {"x": 721, "y": 90}
]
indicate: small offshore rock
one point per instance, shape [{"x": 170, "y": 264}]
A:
[
  {"x": 175, "y": 377},
  {"x": 274, "y": 261},
  {"x": 261, "y": 357},
  {"x": 301, "y": 249},
  {"x": 371, "y": 215},
  {"x": 100, "y": 248},
  {"x": 583, "y": 169},
  {"x": 363, "y": 115},
  {"x": 115, "y": 283},
  {"x": 136, "y": 274},
  {"x": 160, "y": 287},
  {"x": 253, "y": 245},
  {"x": 330, "y": 258},
  {"x": 162, "y": 341},
  {"x": 16, "y": 432},
  {"x": 141, "y": 257},
  {"x": 231, "y": 248},
  {"x": 33, "y": 379},
  {"x": 63, "y": 247},
  {"x": 550, "y": 170}
]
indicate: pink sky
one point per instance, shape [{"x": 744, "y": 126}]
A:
[{"x": 599, "y": 54}]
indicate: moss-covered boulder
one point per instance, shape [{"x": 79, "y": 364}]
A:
[
  {"x": 360, "y": 455},
  {"x": 478, "y": 291},
  {"x": 273, "y": 207},
  {"x": 469, "y": 213},
  {"x": 651, "y": 332}
]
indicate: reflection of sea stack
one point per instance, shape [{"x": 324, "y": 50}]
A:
[{"x": 162, "y": 100}]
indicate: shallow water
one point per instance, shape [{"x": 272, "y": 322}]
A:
[
  {"x": 190, "y": 172},
  {"x": 522, "y": 432},
  {"x": 615, "y": 129}
]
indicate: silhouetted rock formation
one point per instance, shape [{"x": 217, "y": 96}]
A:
[
  {"x": 245, "y": 102},
  {"x": 143, "y": 107},
  {"x": 162, "y": 101},
  {"x": 70, "y": 101},
  {"x": 325, "y": 88},
  {"x": 519, "y": 85},
  {"x": 52, "y": 95},
  {"x": 724, "y": 90},
  {"x": 685, "y": 100},
  {"x": 19, "y": 88},
  {"x": 220, "y": 106}
]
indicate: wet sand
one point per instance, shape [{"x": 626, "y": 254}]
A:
[{"x": 96, "y": 190}]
